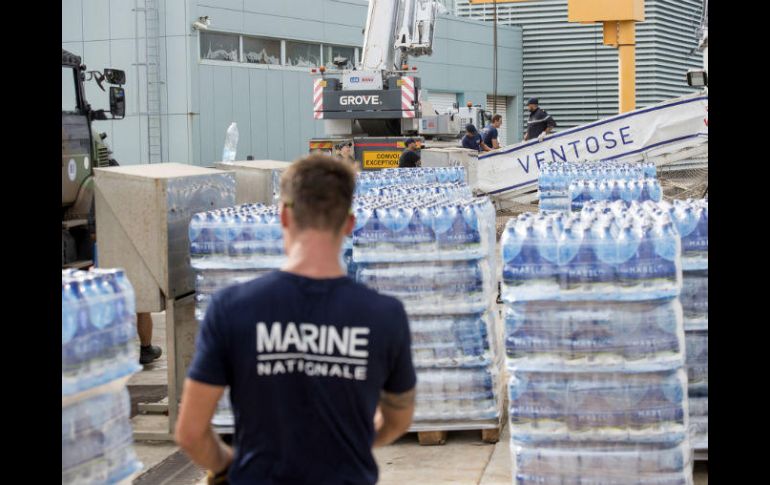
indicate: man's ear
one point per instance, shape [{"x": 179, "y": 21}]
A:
[
  {"x": 284, "y": 213},
  {"x": 350, "y": 224}
]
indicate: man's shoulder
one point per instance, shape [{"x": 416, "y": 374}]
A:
[
  {"x": 374, "y": 299},
  {"x": 262, "y": 287}
]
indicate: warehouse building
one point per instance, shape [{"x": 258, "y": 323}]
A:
[
  {"x": 251, "y": 65},
  {"x": 575, "y": 75}
]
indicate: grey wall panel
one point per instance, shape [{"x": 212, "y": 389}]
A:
[
  {"x": 223, "y": 108},
  {"x": 72, "y": 21},
  {"x": 275, "y": 116},
  {"x": 177, "y": 136},
  {"x": 207, "y": 126},
  {"x": 259, "y": 116},
  {"x": 96, "y": 19},
  {"x": 293, "y": 145},
  {"x": 175, "y": 17},
  {"x": 242, "y": 112},
  {"x": 121, "y": 21}
]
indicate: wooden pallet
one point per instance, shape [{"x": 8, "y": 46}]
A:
[{"x": 432, "y": 438}]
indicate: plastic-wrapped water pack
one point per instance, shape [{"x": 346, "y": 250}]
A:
[
  {"x": 616, "y": 254},
  {"x": 98, "y": 329},
  {"x": 555, "y": 178},
  {"x": 390, "y": 177},
  {"x": 553, "y": 461},
  {"x": 97, "y": 440},
  {"x": 550, "y": 334},
  {"x": 582, "y": 191}
]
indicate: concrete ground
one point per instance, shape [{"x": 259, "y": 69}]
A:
[{"x": 464, "y": 459}]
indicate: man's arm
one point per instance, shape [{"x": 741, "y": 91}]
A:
[
  {"x": 397, "y": 410},
  {"x": 550, "y": 124},
  {"x": 495, "y": 144},
  {"x": 193, "y": 427}
]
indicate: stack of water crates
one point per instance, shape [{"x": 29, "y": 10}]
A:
[
  {"x": 227, "y": 247},
  {"x": 691, "y": 217},
  {"x": 567, "y": 186},
  {"x": 421, "y": 237},
  {"x": 595, "y": 347},
  {"x": 99, "y": 354}
]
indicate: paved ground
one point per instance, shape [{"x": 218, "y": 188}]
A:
[{"x": 464, "y": 459}]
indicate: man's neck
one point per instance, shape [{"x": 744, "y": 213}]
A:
[{"x": 314, "y": 254}]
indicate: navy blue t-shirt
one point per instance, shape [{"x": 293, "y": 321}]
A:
[
  {"x": 473, "y": 142},
  {"x": 490, "y": 133},
  {"x": 305, "y": 360}
]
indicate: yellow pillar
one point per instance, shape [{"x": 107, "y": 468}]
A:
[
  {"x": 627, "y": 77},
  {"x": 622, "y": 34}
]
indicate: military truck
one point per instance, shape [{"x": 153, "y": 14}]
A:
[{"x": 83, "y": 148}]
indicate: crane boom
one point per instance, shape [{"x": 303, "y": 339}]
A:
[{"x": 396, "y": 29}]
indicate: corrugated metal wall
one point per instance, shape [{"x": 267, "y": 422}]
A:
[{"x": 575, "y": 76}]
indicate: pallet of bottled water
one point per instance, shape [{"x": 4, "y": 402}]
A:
[
  {"x": 230, "y": 246},
  {"x": 97, "y": 440},
  {"x": 99, "y": 354},
  {"x": 595, "y": 345},
  {"x": 692, "y": 218},
  {"x": 393, "y": 177},
  {"x": 431, "y": 245},
  {"x": 98, "y": 330},
  {"x": 555, "y": 179}
]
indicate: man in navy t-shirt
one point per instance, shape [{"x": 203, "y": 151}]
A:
[
  {"x": 308, "y": 354},
  {"x": 473, "y": 140},
  {"x": 490, "y": 132}
]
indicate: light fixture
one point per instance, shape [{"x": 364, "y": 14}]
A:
[
  {"x": 202, "y": 23},
  {"x": 697, "y": 79}
]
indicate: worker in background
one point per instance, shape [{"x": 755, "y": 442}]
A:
[
  {"x": 307, "y": 352},
  {"x": 345, "y": 152},
  {"x": 410, "y": 157},
  {"x": 540, "y": 123},
  {"x": 147, "y": 351},
  {"x": 473, "y": 140},
  {"x": 490, "y": 132}
]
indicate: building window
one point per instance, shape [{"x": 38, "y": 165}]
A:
[
  {"x": 334, "y": 51},
  {"x": 219, "y": 47},
  {"x": 69, "y": 94},
  {"x": 261, "y": 51},
  {"x": 301, "y": 54}
]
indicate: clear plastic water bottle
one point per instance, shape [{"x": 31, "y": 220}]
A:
[{"x": 231, "y": 143}]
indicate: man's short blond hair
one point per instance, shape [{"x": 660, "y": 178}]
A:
[{"x": 319, "y": 190}]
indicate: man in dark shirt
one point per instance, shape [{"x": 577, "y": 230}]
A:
[
  {"x": 491, "y": 134},
  {"x": 410, "y": 157},
  {"x": 308, "y": 354},
  {"x": 540, "y": 123},
  {"x": 473, "y": 140}
]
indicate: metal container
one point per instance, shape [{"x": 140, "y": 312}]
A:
[{"x": 142, "y": 218}]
